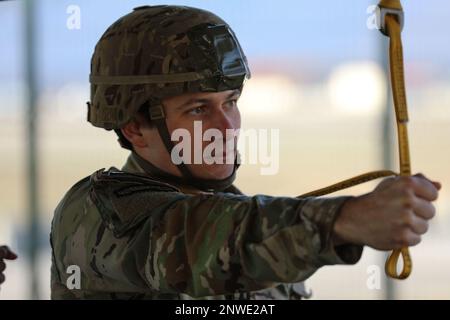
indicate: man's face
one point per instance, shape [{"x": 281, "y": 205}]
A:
[{"x": 217, "y": 110}]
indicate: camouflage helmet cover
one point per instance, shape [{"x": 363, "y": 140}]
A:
[{"x": 156, "y": 52}]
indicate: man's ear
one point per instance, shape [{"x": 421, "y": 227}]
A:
[{"x": 132, "y": 131}]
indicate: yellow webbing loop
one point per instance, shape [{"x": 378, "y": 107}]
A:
[
  {"x": 391, "y": 24},
  {"x": 393, "y": 30}
]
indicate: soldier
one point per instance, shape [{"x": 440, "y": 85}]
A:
[
  {"x": 5, "y": 254},
  {"x": 158, "y": 229}
]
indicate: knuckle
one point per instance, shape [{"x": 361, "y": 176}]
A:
[
  {"x": 407, "y": 182},
  {"x": 430, "y": 211},
  {"x": 409, "y": 220},
  {"x": 401, "y": 239},
  {"x": 408, "y": 199},
  {"x": 425, "y": 227},
  {"x": 415, "y": 241},
  {"x": 385, "y": 183},
  {"x": 434, "y": 194},
  {"x": 405, "y": 239},
  {"x": 404, "y": 243}
]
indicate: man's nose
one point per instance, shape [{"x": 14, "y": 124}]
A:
[{"x": 223, "y": 121}]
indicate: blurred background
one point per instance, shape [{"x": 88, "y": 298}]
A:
[{"x": 319, "y": 76}]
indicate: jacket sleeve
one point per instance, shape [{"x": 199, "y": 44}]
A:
[{"x": 210, "y": 244}]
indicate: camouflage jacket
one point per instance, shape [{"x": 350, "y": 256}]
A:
[{"x": 134, "y": 237}]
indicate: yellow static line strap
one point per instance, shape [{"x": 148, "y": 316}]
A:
[
  {"x": 401, "y": 111},
  {"x": 391, "y": 25},
  {"x": 350, "y": 183}
]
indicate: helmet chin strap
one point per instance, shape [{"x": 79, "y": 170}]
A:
[{"x": 157, "y": 117}]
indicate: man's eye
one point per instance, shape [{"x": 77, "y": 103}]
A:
[
  {"x": 196, "y": 111},
  {"x": 231, "y": 103}
]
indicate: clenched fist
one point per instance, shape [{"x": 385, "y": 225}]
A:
[
  {"x": 5, "y": 254},
  {"x": 394, "y": 215}
]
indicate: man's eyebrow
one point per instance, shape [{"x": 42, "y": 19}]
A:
[
  {"x": 192, "y": 101},
  {"x": 235, "y": 92}
]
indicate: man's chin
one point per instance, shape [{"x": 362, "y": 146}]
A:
[{"x": 214, "y": 171}]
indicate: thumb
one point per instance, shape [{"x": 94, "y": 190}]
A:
[{"x": 436, "y": 184}]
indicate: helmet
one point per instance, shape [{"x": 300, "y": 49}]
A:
[{"x": 156, "y": 52}]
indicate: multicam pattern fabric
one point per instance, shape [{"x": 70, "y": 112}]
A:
[{"x": 134, "y": 237}]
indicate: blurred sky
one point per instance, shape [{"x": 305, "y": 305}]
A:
[{"x": 320, "y": 32}]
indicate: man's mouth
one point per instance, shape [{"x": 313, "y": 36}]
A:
[{"x": 226, "y": 157}]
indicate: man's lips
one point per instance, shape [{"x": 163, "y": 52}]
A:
[{"x": 231, "y": 154}]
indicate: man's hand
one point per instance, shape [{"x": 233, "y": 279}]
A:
[
  {"x": 393, "y": 216},
  {"x": 5, "y": 253}
]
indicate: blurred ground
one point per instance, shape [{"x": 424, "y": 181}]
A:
[{"x": 316, "y": 149}]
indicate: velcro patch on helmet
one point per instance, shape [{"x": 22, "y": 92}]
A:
[{"x": 228, "y": 58}]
